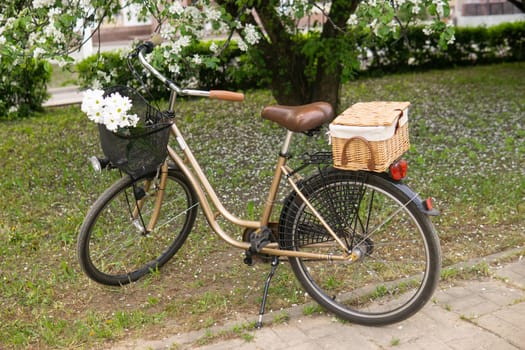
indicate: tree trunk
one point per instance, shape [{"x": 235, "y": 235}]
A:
[
  {"x": 287, "y": 62},
  {"x": 283, "y": 59},
  {"x": 329, "y": 68}
]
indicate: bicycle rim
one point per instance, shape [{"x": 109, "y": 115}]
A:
[
  {"x": 114, "y": 245},
  {"x": 398, "y": 250}
]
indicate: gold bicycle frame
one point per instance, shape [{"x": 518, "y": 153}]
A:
[
  {"x": 203, "y": 187},
  {"x": 206, "y": 193}
]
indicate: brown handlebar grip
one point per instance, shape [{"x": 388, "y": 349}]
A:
[{"x": 226, "y": 95}]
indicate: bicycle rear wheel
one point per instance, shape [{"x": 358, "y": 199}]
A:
[
  {"x": 114, "y": 246},
  {"x": 398, "y": 251}
]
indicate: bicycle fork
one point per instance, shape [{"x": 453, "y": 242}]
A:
[{"x": 136, "y": 216}]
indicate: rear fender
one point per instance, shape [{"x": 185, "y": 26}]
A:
[{"x": 422, "y": 204}]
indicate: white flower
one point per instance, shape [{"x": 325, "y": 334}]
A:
[
  {"x": 214, "y": 47},
  {"x": 174, "y": 68},
  {"x": 251, "y": 34},
  {"x": 42, "y": 3},
  {"x": 353, "y": 21},
  {"x": 133, "y": 119},
  {"x": 196, "y": 59},
  {"x": 111, "y": 122},
  {"x": 428, "y": 31},
  {"x": 54, "y": 12},
  {"x": 176, "y": 8},
  {"x": 212, "y": 14},
  {"x": 181, "y": 43},
  {"x": 242, "y": 45},
  {"x": 38, "y": 52},
  {"x": 93, "y": 104},
  {"x": 112, "y": 111}
]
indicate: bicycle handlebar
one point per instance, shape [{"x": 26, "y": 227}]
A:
[{"x": 147, "y": 47}]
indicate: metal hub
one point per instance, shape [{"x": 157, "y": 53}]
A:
[{"x": 363, "y": 248}]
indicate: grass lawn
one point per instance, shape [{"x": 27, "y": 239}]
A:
[{"x": 467, "y": 130}]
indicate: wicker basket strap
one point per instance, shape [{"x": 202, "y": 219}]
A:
[{"x": 344, "y": 157}]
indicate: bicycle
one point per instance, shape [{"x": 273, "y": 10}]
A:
[{"x": 359, "y": 242}]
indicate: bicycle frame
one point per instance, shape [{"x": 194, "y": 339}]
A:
[{"x": 209, "y": 199}]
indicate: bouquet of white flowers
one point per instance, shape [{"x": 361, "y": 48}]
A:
[
  {"x": 133, "y": 134},
  {"x": 112, "y": 110}
]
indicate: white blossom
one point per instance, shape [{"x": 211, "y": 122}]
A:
[
  {"x": 212, "y": 14},
  {"x": 93, "y": 104},
  {"x": 181, "y": 43},
  {"x": 85, "y": 5},
  {"x": 242, "y": 45},
  {"x": 427, "y": 31},
  {"x": 42, "y": 3},
  {"x": 452, "y": 39},
  {"x": 174, "y": 68},
  {"x": 38, "y": 52},
  {"x": 251, "y": 34},
  {"x": 352, "y": 20},
  {"x": 416, "y": 8},
  {"x": 193, "y": 13},
  {"x": 196, "y": 59},
  {"x": 54, "y": 12},
  {"x": 214, "y": 47},
  {"x": 176, "y": 8},
  {"x": 440, "y": 7},
  {"x": 112, "y": 111}
]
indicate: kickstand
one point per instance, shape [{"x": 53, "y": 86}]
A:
[{"x": 275, "y": 263}]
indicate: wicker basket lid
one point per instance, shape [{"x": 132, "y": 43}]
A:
[{"x": 372, "y": 113}]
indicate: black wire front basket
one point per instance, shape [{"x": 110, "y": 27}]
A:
[{"x": 141, "y": 149}]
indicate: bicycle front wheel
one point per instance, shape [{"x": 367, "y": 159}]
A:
[
  {"x": 116, "y": 247},
  {"x": 397, "y": 251}
]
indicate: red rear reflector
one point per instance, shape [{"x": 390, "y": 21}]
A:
[
  {"x": 399, "y": 169},
  {"x": 428, "y": 203}
]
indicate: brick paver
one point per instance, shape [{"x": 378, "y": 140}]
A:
[{"x": 478, "y": 314}]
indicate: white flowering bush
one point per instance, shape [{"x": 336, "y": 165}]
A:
[
  {"x": 111, "y": 111},
  {"x": 233, "y": 69},
  {"x": 55, "y": 28},
  {"x": 31, "y": 32},
  {"x": 23, "y": 83}
]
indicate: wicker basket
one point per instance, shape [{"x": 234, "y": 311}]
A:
[
  {"x": 370, "y": 135},
  {"x": 142, "y": 149}
]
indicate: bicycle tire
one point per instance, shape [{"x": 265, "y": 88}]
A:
[
  {"x": 114, "y": 249},
  {"x": 400, "y": 255}
]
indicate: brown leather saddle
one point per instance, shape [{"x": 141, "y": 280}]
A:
[{"x": 300, "y": 118}]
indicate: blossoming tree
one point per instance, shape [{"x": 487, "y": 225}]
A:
[{"x": 304, "y": 63}]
